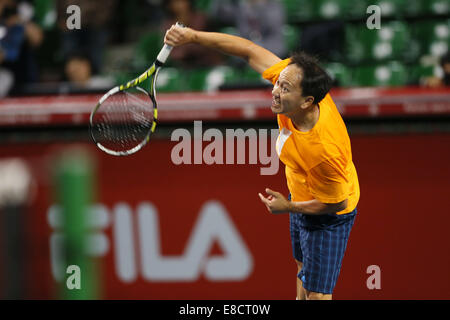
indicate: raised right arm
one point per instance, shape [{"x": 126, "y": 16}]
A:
[{"x": 257, "y": 57}]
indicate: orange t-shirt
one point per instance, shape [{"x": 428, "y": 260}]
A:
[{"x": 318, "y": 162}]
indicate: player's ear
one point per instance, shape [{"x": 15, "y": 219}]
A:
[{"x": 309, "y": 101}]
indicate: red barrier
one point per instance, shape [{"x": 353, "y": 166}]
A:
[
  {"x": 232, "y": 105},
  {"x": 217, "y": 241}
]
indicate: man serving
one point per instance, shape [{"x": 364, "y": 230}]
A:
[{"x": 314, "y": 145}]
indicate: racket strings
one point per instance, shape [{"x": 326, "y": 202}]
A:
[{"x": 123, "y": 121}]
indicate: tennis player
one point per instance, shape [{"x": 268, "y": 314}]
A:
[{"x": 314, "y": 145}]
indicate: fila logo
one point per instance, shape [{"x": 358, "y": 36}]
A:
[{"x": 213, "y": 224}]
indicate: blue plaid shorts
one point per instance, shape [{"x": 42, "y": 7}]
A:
[{"x": 319, "y": 242}]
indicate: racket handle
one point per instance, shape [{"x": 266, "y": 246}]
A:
[
  {"x": 165, "y": 51},
  {"x": 164, "y": 54}
]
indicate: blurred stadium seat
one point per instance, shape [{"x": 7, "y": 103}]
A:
[
  {"x": 432, "y": 36},
  {"x": 389, "y": 74},
  {"x": 196, "y": 79},
  {"x": 356, "y": 9},
  {"x": 213, "y": 79},
  {"x": 170, "y": 80},
  {"x": 340, "y": 73},
  {"x": 147, "y": 48},
  {"x": 329, "y": 9},
  {"x": 389, "y": 8},
  {"x": 45, "y": 14},
  {"x": 251, "y": 76},
  {"x": 220, "y": 76},
  {"x": 389, "y": 42},
  {"x": 410, "y": 30},
  {"x": 436, "y": 7}
]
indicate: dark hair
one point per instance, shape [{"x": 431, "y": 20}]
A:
[
  {"x": 78, "y": 55},
  {"x": 9, "y": 10},
  {"x": 315, "y": 81}
]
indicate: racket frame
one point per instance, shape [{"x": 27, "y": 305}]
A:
[{"x": 150, "y": 72}]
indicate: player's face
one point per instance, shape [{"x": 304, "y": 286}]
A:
[{"x": 287, "y": 93}]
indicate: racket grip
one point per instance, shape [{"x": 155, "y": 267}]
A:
[
  {"x": 165, "y": 51},
  {"x": 164, "y": 54}
]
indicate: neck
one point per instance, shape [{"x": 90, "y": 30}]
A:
[{"x": 305, "y": 120}]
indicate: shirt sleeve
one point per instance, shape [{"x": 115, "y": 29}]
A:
[
  {"x": 328, "y": 183},
  {"x": 273, "y": 72}
]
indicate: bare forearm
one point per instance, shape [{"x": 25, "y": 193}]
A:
[
  {"x": 257, "y": 57},
  {"x": 315, "y": 207},
  {"x": 228, "y": 44}
]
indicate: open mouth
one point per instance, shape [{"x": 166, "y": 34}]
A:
[{"x": 275, "y": 103}]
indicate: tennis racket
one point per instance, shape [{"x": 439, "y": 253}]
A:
[{"x": 124, "y": 118}]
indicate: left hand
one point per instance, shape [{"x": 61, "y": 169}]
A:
[{"x": 275, "y": 202}]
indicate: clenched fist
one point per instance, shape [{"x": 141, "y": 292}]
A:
[{"x": 177, "y": 36}]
